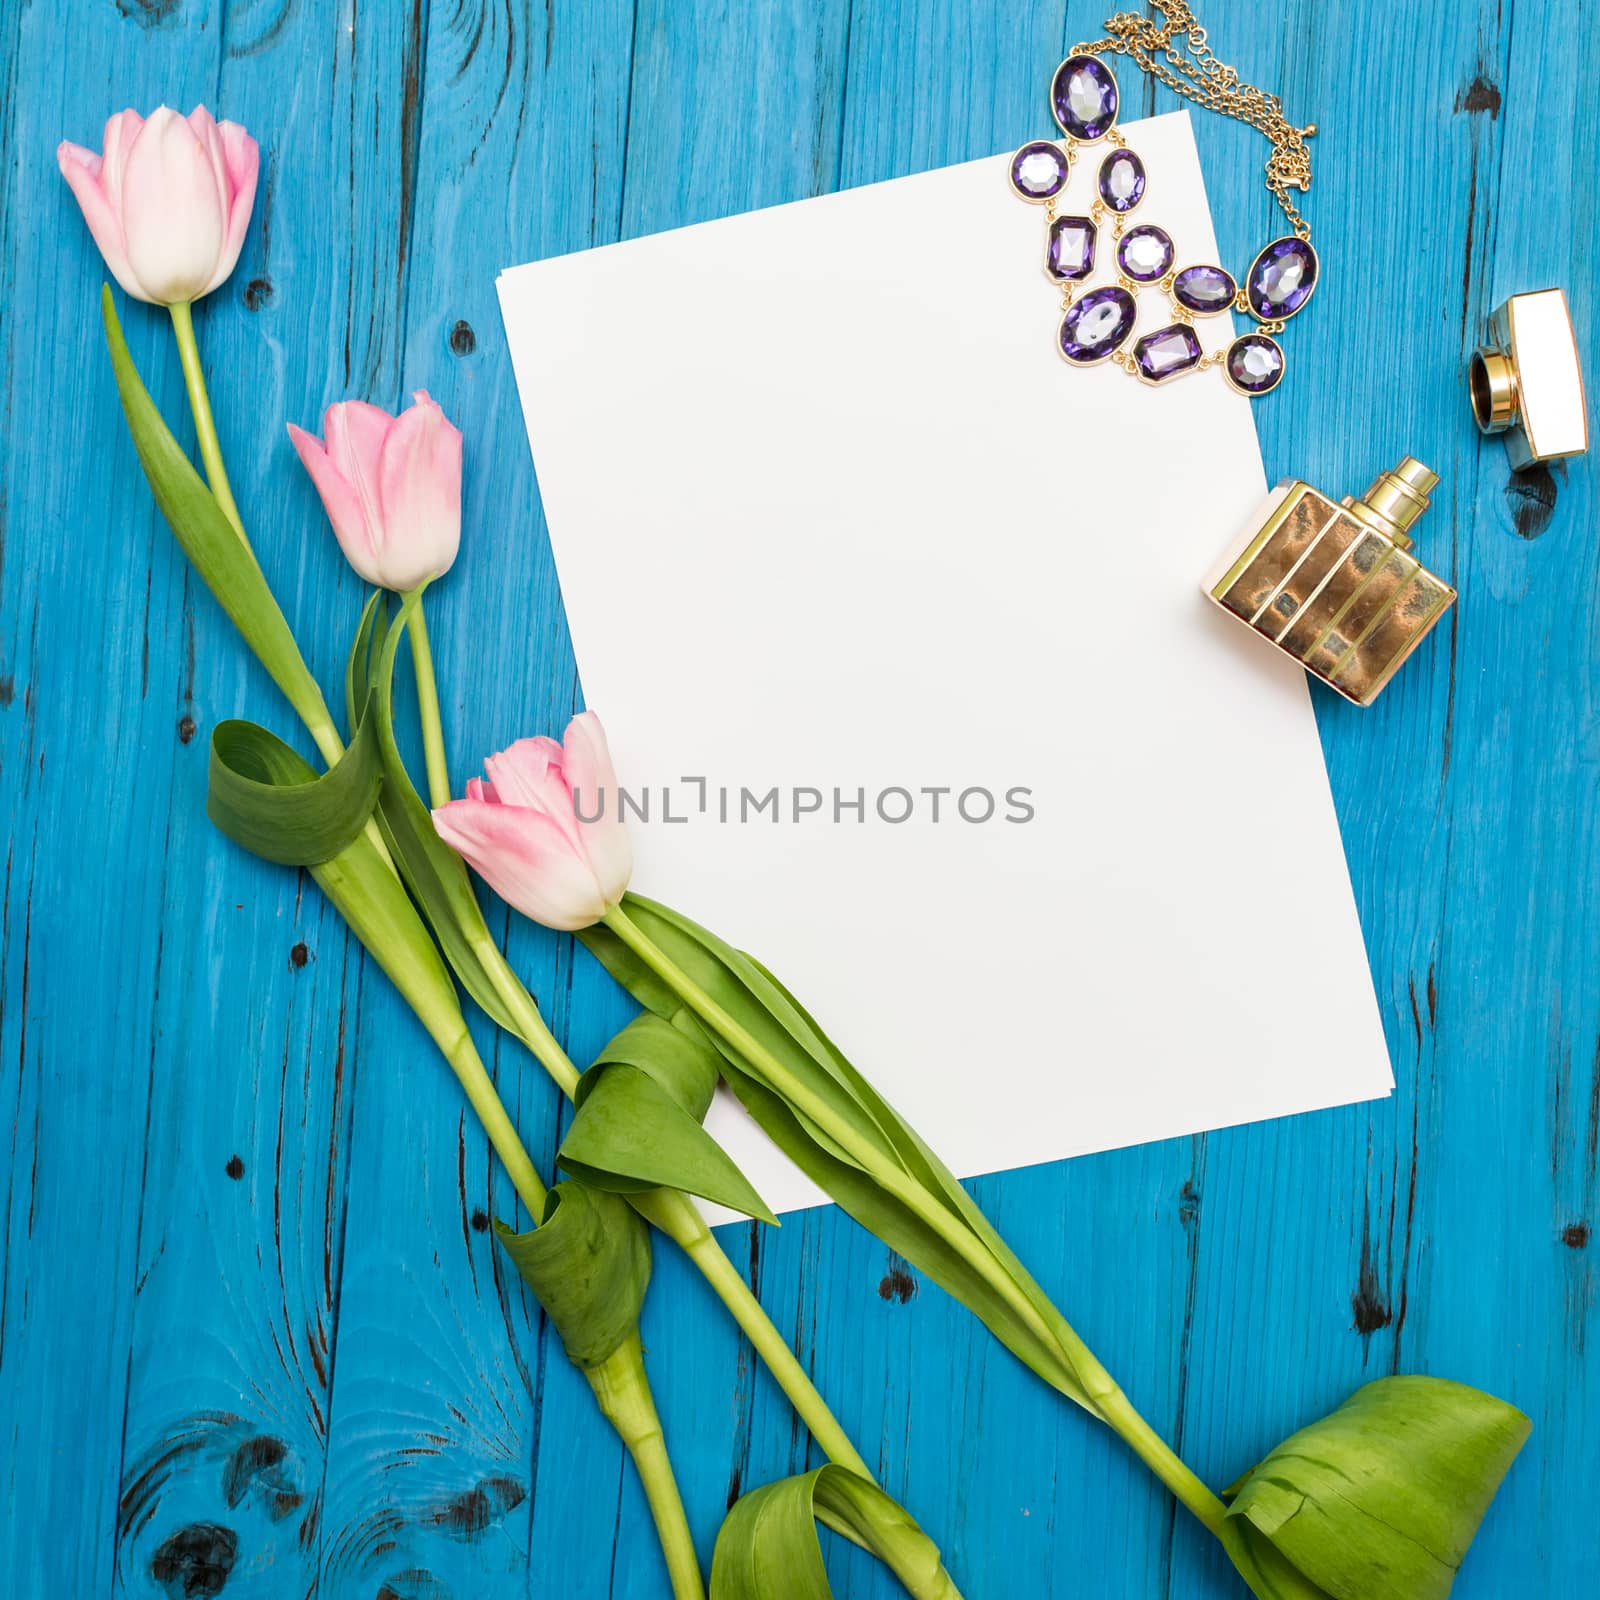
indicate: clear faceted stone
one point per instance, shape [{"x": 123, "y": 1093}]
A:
[
  {"x": 1039, "y": 170},
  {"x": 1145, "y": 254},
  {"x": 1097, "y": 324},
  {"x": 1203, "y": 289},
  {"x": 1167, "y": 352},
  {"x": 1121, "y": 180},
  {"x": 1282, "y": 278},
  {"x": 1084, "y": 96},
  {"x": 1070, "y": 253}
]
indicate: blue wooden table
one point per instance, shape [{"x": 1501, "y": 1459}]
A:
[{"x": 255, "y": 1336}]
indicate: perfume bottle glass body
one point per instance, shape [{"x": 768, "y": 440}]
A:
[{"x": 1342, "y": 597}]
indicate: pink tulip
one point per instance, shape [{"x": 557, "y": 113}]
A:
[
  {"x": 391, "y": 487},
  {"x": 544, "y": 830},
  {"x": 167, "y": 201}
]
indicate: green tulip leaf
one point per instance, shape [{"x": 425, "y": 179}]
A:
[
  {"x": 768, "y": 1548},
  {"x": 434, "y": 873},
  {"x": 1267, "y": 1572},
  {"x": 256, "y": 798},
  {"x": 921, "y": 1211},
  {"x": 218, "y": 552},
  {"x": 638, "y": 1123},
  {"x": 356, "y": 878},
  {"x": 588, "y": 1264},
  {"x": 1380, "y": 1499}
]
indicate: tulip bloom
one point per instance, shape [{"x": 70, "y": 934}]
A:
[
  {"x": 544, "y": 829},
  {"x": 167, "y": 200},
  {"x": 391, "y": 487}
]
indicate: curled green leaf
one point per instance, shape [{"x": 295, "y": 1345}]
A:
[
  {"x": 638, "y": 1124},
  {"x": 1380, "y": 1499},
  {"x": 356, "y": 878},
  {"x": 264, "y": 796},
  {"x": 768, "y": 1548},
  {"x": 588, "y": 1264}
]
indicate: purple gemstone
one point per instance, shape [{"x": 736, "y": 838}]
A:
[
  {"x": 1145, "y": 254},
  {"x": 1281, "y": 278},
  {"x": 1084, "y": 96},
  {"x": 1039, "y": 170},
  {"x": 1255, "y": 363},
  {"x": 1121, "y": 180},
  {"x": 1204, "y": 290},
  {"x": 1097, "y": 324},
  {"x": 1070, "y": 254},
  {"x": 1167, "y": 352}
]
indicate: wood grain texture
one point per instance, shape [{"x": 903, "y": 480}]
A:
[{"x": 255, "y": 1338}]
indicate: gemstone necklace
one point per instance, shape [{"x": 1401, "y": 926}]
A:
[{"x": 1097, "y": 323}]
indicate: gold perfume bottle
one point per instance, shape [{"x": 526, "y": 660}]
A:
[{"x": 1335, "y": 586}]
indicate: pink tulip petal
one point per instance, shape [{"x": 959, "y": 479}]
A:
[
  {"x": 242, "y": 159},
  {"x": 419, "y": 485},
  {"x": 355, "y": 432},
  {"x": 526, "y": 859},
  {"x": 593, "y": 780},
  {"x": 529, "y": 774},
  {"x": 82, "y": 168},
  {"x": 340, "y": 501},
  {"x": 121, "y": 130},
  {"x": 243, "y": 155},
  {"x": 172, "y": 209},
  {"x": 204, "y": 128},
  {"x": 480, "y": 789}
]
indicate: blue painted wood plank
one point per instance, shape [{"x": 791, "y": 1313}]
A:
[
  {"x": 322, "y": 1355},
  {"x": 97, "y": 633}
]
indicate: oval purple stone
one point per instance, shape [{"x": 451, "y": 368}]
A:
[
  {"x": 1167, "y": 352},
  {"x": 1255, "y": 363},
  {"x": 1084, "y": 97},
  {"x": 1070, "y": 253},
  {"x": 1097, "y": 324},
  {"x": 1204, "y": 290},
  {"x": 1145, "y": 254},
  {"x": 1121, "y": 180},
  {"x": 1281, "y": 278},
  {"x": 1039, "y": 170}
]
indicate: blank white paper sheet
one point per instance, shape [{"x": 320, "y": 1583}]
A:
[{"x": 833, "y": 518}]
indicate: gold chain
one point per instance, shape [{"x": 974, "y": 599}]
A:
[{"x": 1188, "y": 67}]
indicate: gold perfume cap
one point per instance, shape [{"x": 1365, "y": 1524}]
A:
[
  {"x": 1527, "y": 382},
  {"x": 1395, "y": 500},
  {"x": 1492, "y": 378}
]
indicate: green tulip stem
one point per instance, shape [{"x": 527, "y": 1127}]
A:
[
  {"x": 620, "y": 1383},
  {"x": 529, "y": 1025},
  {"x": 200, "y": 404},
  {"x": 677, "y": 1216},
  {"x": 428, "y": 706},
  {"x": 310, "y": 706},
  {"x": 621, "y": 1387},
  {"x": 1102, "y": 1396},
  {"x": 490, "y": 1110},
  {"x": 1189, "y": 1491},
  {"x": 886, "y": 1172}
]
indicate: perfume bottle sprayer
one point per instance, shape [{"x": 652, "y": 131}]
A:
[{"x": 1335, "y": 585}]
